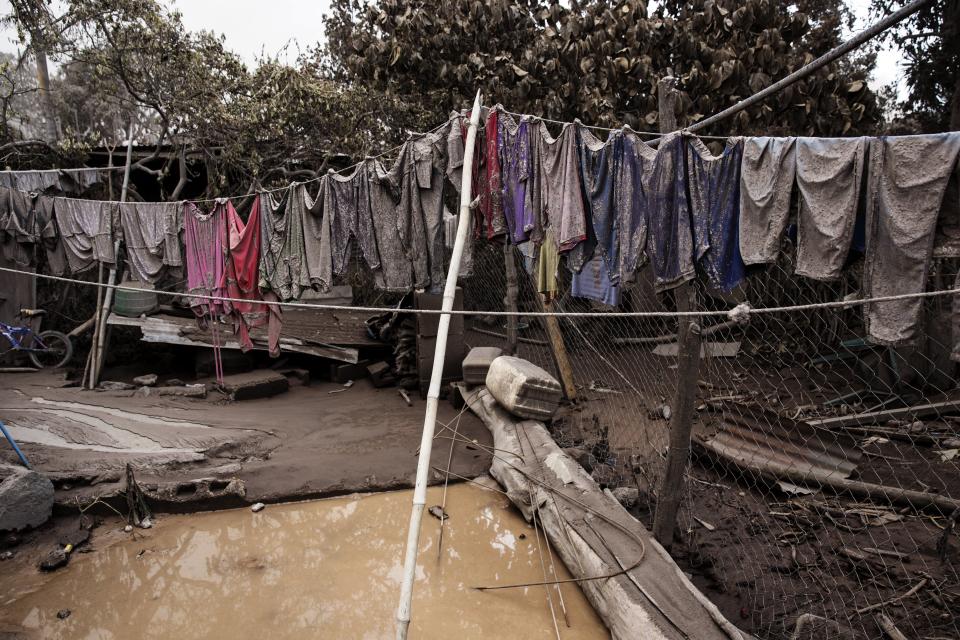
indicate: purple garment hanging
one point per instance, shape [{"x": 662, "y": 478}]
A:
[
  {"x": 205, "y": 243},
  {"x": 515, "y": 166}
]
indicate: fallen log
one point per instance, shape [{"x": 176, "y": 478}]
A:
[{"x": 644, "y": 595}]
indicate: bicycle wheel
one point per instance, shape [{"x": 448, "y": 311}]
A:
[{"x": 57, "y": 352}]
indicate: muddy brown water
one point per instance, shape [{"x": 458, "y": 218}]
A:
[{"x": 319, "y": 569}]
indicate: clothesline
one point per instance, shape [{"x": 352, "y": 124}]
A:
[
  {"x": 377, "y": 156},
  {"x": 656, "y": 134},
  {"x": 740, "y": 311}
]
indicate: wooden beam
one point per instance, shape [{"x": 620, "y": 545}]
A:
[
  {"x": 559, "y": 352},
  {"x": 875, "y": 417}
]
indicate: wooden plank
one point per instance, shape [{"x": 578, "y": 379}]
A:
[
  {"x": 184, "y": 331},
  {"x": 707, "y": 349},
  {"x": 875, "y": 417},
  {"x": 559, "y": 351}
]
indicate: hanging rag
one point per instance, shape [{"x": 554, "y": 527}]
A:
[
  {"x": 87, "y": 231},
  {"x": 56, "y": 257},
  {"x": 63, "y": 180},
  {"x": 670, "y": 243},
  {"x": 830, "y": 179},
  {"x": 205, "y": 256},
  {"x": 240, "y": 279},
  {"x": 600, "y": 168},
  {"x": 393, "y": 228},
  {"x": 151, "y": 234},
  {"x": 205, "y": 237},
  {"x": 418, "y": 177},
  {"x": 563, "y": 212},
  {"x": 634, "y": 198},
  {"x": 714, "y": 183},
  {"x": 19, "y": 230},
  {"x": 492, "y": 222},
  {"x": 548, "y": 264},
  {"x": 349, "y": 218},
  {"x": 593, "y": 283},
  {"x": 766, "y": 182},
  {"x": 907, "y": 176},
  {"x": 284, "y": 263},
  {"x": 513, "y": 141}
]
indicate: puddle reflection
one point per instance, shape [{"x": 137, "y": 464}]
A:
[{"x": 327, "y": 569}]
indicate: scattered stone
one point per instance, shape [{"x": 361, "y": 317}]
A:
[
  {"x": 148, "y": 380},
  {"x": 128, "y": 528},
  {"x": 146, "y": 523},
  {"x": 627, "y": 496},
  {"x": 175, "y": 382},
  {"x": 381, "y": 375},
  {"x": 110, "y": 385},
  {"x": 54, "y": 560},
  {"x": 437, "y": 512},
  {"x": 258, "y": 507},
  {"x": 666, "y": 412},
  {"x": 63, "y": 614},
  {"x": 26, "y": 500},
  {"x": 917, "y": 426},
  {"x": 6, "y": 555},
  {"x": 75, "y": 538},
  {"x": 255, "y": 384}
]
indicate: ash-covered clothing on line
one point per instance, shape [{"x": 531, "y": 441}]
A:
[
  {"x": 714, "y": 188},
  {"x": 516, "y": 172},
  {"x": 284, "y": 257},
  {"x": 766, "y": 182},
  {"x": 908, "y": 176},
  {"x": 87, "y": 231},
  {"x": 830, "y": 180},
  {"x": 151, "y": 235},
  {"x": 563, "y": 212},
  {"x": 204, "y": 254},
  {"x": 670, "y": 241},
  {"x": 600, "y": 167},
  {"x": 241, "y": 274},
  {"x": 419, "y": 177}
]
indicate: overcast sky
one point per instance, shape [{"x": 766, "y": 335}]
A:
[{"x": 253, "y": 27}]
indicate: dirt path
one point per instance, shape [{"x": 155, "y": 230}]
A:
[{"x": 307, "y": 442}]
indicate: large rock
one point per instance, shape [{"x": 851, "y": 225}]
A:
[{"x": 26, "y": 500}]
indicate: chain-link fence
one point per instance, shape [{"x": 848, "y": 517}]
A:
[{"x": 820, "y": 496}]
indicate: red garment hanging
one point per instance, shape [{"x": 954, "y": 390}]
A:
[{"x": 240, "y": 279}]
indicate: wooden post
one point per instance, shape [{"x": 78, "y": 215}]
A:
[
  {"x": 688, "y": 365},
  {"x": 112, "y": 277},
  {"x": 559, "y": 351},
  {"x": 510, "y": 301}
]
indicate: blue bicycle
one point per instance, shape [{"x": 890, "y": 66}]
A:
[{"x": 46, "y": 349}]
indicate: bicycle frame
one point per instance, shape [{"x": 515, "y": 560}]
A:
[{"x": 17, "y": 335}]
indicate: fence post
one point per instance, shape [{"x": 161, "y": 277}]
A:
[
  {"x": 510, "y": 300},
  {"x": 688, "y": 365}
]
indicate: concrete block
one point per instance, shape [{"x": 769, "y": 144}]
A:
[{"x": 477, "y": 363}]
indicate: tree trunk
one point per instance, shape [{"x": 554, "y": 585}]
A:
[{"x": 51, "y": 132}]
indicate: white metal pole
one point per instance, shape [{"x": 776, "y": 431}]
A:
[{"x": 433, "y": 395}]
